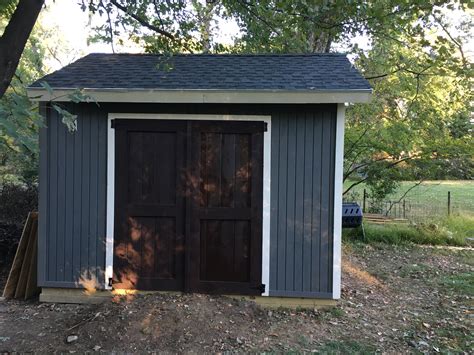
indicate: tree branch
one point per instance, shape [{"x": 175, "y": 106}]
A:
[
  {"x": 363, "y": 165},
  {"x": 348, "y": 172},
  {"x": 148, "y": 25},
  {"x": 393, "y": 203},
  {"x": 391, "y": 165},
  {"x": 457, "y": 43},
  {"x": 248, "y": 6},
  {"x": 383, "y": 75},
  {"x": 111, "y": 31},
  {"x": 349, "y": 150},
  {"x": 354, "y": 185},
  {"x": 142, "y": 21}
]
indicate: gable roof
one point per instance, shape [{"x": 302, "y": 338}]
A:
[{"x": 303, "y": 73}]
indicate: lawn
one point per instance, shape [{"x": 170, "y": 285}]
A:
[{"x": 428, "y": 200}]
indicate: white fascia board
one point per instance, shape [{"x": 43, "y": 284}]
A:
[{"x": 207, "y": 96}]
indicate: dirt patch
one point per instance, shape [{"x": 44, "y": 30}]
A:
[{"x": 394, "y": 299}]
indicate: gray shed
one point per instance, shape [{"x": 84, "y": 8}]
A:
[{"x": 196, "y": 173}]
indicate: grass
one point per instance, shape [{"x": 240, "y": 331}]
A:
[
  {"x": 430, "y": 199},
  {"x": 411, "y": 270},
  {"x": 462, "y": 283},
  {"x": 448, "y": 231},
  {"x": 346, "y": 347}
]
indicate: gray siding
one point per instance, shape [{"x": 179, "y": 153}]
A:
[
  {"x": 72, "y": 198},
  {"x": 72, "y": 219},
  {"x": 302, "y": 185}
]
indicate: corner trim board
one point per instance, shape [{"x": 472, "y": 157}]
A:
[
  {"x": 109, "y": 236},
  {"x": 111, "y": 181},
  {"x": 337, "y": 226}
]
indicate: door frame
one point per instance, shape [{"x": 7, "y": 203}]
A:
[{"x": 109, "y": 250}]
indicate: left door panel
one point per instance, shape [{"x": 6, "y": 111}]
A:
[{"x": 149, "y": 205}]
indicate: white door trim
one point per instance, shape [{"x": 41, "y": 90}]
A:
[
  {"x": 337, "y": 225},
  {"x": 111, "y": 181}
]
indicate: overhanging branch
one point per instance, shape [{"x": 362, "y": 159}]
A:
[{"x": 142, "y": 21}]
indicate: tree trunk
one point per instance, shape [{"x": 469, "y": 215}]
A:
[
  {"x": 205, "y": 14},
  {"x": 319, "y": 42},
  {"x": 14, "y": 38}
]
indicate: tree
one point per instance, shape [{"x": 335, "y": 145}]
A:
[
  {"x": 266, "y": 25},
  {"x": 418, "y": 125},
  {"x": 19, "y": 117},
  {"x": 410, "y": 130},
  {"x": 168, "y": 25},
  {"x": 14, "y": 38}
]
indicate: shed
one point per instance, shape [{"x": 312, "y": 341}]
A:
[{"x": 196, "y": 173}]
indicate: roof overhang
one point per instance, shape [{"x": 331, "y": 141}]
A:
[{"x": 207, "y": 96}]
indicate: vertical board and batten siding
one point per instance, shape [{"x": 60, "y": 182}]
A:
[
  {"x": 73, "y": 181},
  {"x": 72, "y": 200},
  {"x": 302, "y": 195}
]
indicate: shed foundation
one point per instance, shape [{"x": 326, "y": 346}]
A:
[{"x": 81, "y": 296}]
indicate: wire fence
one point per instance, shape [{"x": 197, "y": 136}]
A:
[{"x": 418, "y": 206}]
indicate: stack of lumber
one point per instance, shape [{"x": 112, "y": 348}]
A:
[
  {"x": 22, "y": 280},
  {"x": 382, "y": 219}
]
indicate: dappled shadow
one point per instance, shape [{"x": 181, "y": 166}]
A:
[
  {"x": 149, "y": 241},
  {"x": 89, "y": 282}
]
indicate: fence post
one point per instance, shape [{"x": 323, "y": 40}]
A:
[
  {"x": 449, "y": 203},
  {"x": 363, "y": 201},
  {"x": 404, "y": 209}
]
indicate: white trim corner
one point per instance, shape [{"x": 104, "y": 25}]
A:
[
  {"x": 109, "y": 240},
  {"x": 338, "y": 180}
]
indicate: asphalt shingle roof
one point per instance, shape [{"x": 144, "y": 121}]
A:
[{"x": 319, "y": 72}]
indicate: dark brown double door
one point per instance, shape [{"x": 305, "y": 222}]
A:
[{"x": 188, "y": 205}]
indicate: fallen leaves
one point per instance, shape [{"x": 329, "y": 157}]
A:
[{"x": 392, "y": 311}]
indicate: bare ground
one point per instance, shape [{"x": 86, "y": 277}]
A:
[{"x": 394, "y": 299}]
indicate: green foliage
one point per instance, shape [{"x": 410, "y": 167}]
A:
[
  {"x": 169, "y": 26},
  {"x": 7, "y": 7},
  {"x": 418, "y": 123},
  {"x": 20, "y": 119},
  {"x": 270, "y": 26},
  {"x": 69, "y": 119}
]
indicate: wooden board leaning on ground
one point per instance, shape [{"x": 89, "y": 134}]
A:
[
  {"x": 22, "y": 279},
  {"x": 382, "y": 219}
]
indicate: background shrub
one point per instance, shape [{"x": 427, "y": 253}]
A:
[{"x": 16, "y": 200}]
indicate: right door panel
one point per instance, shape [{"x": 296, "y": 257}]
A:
[{"x": 226, "y": 207}]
